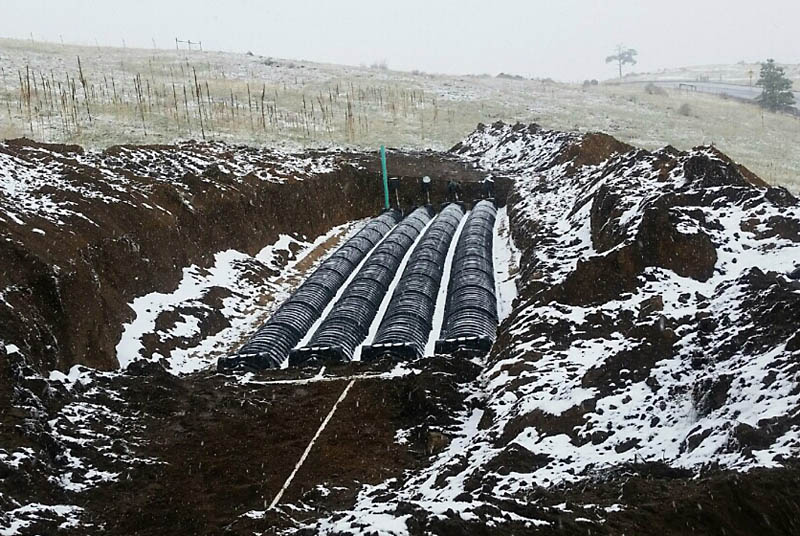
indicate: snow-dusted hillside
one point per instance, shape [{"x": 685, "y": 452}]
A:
[
  {"x": 167, "y": 96},
  {"x": 663, "y": 316}
]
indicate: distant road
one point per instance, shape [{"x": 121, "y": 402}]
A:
[{"x": 718, "y": 88}]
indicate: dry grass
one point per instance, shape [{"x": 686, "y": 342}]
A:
[
  {"x": 152, "y": 96},
  {"x": 739, "y": 73}
]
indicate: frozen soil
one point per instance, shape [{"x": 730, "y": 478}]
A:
[
  {"x": 645, "y": 378},
  {"x": 217, "y": 447},
  {"x": 206, "y": 453}
]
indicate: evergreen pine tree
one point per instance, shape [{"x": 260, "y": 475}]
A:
[{"x": 777, "y": 93}]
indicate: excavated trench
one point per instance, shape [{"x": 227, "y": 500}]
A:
[
  {"x": 406, "y": 325},
  {"x": 154, "y": 427},
  {"x": 445, "y": 444},
  {"x": 69, "y": 282}
]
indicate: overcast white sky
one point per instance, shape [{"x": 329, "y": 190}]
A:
[{"x": 562, "y": 39}]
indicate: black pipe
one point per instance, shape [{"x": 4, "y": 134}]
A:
[
  {"x": 406, "y": 326},
  {"x": 470, "y": 315},
  {"x": 348, "y": 323},
  {"x": 271, "y": 344}
]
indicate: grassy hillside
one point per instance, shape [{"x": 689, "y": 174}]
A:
[
  {"x": 158, "y": 96},
  {"x": 739, "y": 73}
]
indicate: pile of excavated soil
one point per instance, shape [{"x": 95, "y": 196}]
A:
[{"x": 208, "y": 451}]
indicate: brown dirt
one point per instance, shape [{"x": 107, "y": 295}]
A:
[
  {"x": 222, "y": 448},
  {"x": 74, "y": 314},
  {"x": 658, "y": 501},
  {"x": 411, "y": 166},
  {"x": 593, "y": 149}
]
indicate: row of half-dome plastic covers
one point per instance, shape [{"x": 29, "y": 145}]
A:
[
  {"x": 348, "y": 323},
  {"x": 470, "y": 315},
  {"x": 271, "y": 344},
  {"x": 407, "y": 324}
]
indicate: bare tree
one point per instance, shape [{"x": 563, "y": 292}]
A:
[{"x": 623, "y": 56}]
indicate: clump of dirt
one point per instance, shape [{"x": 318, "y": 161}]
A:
[{"x": 593, "y": 149}]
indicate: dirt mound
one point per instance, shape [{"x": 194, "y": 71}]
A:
[
  {"x": 648, "y": 368},
  {"x": 593, "y": 149}
]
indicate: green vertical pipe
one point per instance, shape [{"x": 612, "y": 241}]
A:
[{"x": 385, "y": 178}]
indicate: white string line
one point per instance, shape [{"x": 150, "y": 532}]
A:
[
  {"x": 398, "y": 372},
  {"x": 310, "y": 445}
]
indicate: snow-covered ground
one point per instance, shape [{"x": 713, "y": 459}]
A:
[
  {"x": 506, "y": 264},
  {"x": 647, "y": 318},
  {"x": 678, "y": 369},
  {"x": 281, "y": 102},
  {"x": 245, "y": 301},
  {"x": 658, "y": 423}
]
